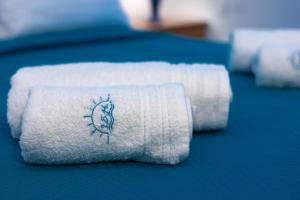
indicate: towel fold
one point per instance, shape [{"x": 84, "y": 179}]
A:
[
  {"x": 208, "y": 86},
  {"x": 278, "y": 66},
  {"x": 246, "y": 43},
  {"x": 65, "y": 125}
]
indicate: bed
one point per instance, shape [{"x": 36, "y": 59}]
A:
[{"x": 256, "y": 157}]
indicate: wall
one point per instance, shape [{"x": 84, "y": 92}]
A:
[{"x": 223, "y": 15}]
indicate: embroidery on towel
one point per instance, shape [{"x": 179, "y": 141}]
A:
[
  {"x": 101, "y": 118},
  {"x": 295, "y": 59}
]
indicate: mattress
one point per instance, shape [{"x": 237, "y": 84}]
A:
[{"x": 256, "y": 157}]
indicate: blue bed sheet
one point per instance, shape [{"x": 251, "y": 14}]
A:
[{"x": 256, "y": 157}]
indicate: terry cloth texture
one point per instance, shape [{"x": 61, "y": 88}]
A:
[
  {"x": 208, "y": 86},
  {"x": 84, "y": 125}
]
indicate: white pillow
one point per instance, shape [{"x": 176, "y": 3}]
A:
[{"x": 24, "y": 17}]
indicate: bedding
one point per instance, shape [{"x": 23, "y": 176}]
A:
[
  {"x": 256, "y": 157},
  {"x": 19, "y": 17},
  {"x": 60, "y": 38}
]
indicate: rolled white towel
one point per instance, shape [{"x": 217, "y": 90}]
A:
[
  {"x": 85, "y": 125},
  {"x": 246, "y": 43},
  {"x": 208, "y": 86},
  {"x": 278, "y": 66}
]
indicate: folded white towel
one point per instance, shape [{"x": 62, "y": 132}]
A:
[
  {"x": 278, "y": 66},
  {"x": 84, "y": 125},
  {"x": 246, "y": 43},
  {"x": 208, "y": 86}
]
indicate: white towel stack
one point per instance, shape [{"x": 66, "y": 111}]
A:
[
  {"x": 208, "y": 86},
  {"x": 131, "y": 115}
]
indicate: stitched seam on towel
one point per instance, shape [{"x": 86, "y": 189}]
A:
[
  {"x": 149, "y": 154},
  {"x": 208, "y": 114},
  {"x": 171, "y": 146},
  {"x": 192, "y": 82},
  {"x": 218, "y": 99},
  {"x": 144, "y": 125},
  {"x": 162, "y": 122},
  {"x": 202, "y": 93}
]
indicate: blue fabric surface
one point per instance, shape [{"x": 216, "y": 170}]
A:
[{"x": 256, "y": 157}]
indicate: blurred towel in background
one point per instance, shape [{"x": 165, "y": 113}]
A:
[
  {"x": 273, "y": 56},
  {"x": 278, "y": 66},
  {"x": 247, "y": 42}
]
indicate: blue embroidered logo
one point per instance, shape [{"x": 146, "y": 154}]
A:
[
  {"x": 295, "y": 59},
  {"x": 101, "y": 118}
]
